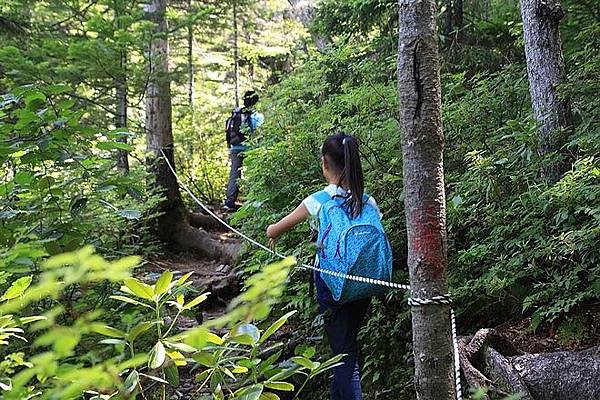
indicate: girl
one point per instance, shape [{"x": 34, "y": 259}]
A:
[{"x": 340, "y": 162}]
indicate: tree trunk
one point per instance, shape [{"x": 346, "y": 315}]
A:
[
  {"x": 190, "y": 61},
  {"x": 121, "y": 119},
  {"x": 236, "y": 54},
  {"x": 422, "y": 150},
  {"x": 121, "y": 95},
  {"x": 546, "y": 70},
  {"x": 172, "y": 224}
]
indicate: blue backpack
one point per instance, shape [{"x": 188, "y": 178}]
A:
[{"x": 355, "y": 246}]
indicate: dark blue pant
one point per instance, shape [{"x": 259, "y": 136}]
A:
[{"x": 342, "y": 323}]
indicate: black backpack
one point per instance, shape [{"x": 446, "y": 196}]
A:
[{"x": 234, "y": 134}]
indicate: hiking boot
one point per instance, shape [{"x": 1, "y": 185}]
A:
[{"x": 231, "y": 207}]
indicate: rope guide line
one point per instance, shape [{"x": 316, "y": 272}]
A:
[{"x": 412, "y": 301}]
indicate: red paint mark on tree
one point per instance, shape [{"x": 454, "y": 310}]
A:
[{"x": 427, "y": 243}]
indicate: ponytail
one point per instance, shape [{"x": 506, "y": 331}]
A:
[
  {"x": 353, "y": 175},
  {"x": 342, "y": 151}
]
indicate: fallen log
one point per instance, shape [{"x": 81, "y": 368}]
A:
[{"x": 561, "y": 375}]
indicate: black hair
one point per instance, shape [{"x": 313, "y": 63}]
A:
[
  {"x": 250, "y": 98},
  {"x": 341, "y": 152}
]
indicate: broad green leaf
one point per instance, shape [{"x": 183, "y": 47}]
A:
[
  {"x": 108, "y": 331},
  {"x": 238, "y": 369},
  {"x": 126, "y": 299},
  {"x": 275, "y": 326},
  {"x": 305, "y": 362},
  {"x": 157, "y": 355},
  {"x": 177, "y": 358},
  {"x": 184, "y": 278},
  {"x": 250, "y": 393},
  {"x": 206, "y": 359},
  {"x": 139, "y": 329},
  {"x": 162, "y": 285},
  {"x": 179, "y": 346},
  {"x": 17, "y": 288},
  {"x": 269, "y": 396},
  {"x": 284, "y": 386},
  {"x": 196, "y": 301},
  {"x": 172, "y": 375},
  {"x": 215, "y": 339},
  {"x": 28, "y": 320},
  {"x": 140, "y": 289},
  {"x": 109, "y": 145},
  {"x": 131, "y": 382}
]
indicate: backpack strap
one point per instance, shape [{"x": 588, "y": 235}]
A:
[{"x": 322, "y": 197}]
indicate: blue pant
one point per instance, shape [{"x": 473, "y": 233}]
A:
[{"x": 342, "y": 323}]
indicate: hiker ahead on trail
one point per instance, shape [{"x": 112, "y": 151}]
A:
[
  {"x": 238, "y": 128},
  {"x": 351, "y": 241}
]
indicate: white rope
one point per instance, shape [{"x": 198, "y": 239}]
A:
[
  {"x": 412, "y": 301},
  {"x": 457, "y": 382}
]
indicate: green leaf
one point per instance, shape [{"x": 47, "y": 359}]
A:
[
  {"x": 139, "y": 329},
  {"x": 180, "y": 346},
  {"x": 305, "y": 362},
  {"x": 77, "y": 205},
  {"x": 196, "y": 301},
  {"x": 284, "y": 386},
  {"x": 275, "y": 326},
  {"x": 172, "y": 375},
  {"x": 162, "y": 285},
  {"x": 131, "y": 382},
  {"x": 17, "y": 288},
  {"x": 250, "y": 393},
  {"x": 238, "y": 369},
  {"x": 269, "y": 396},
  {"x": 108, "y": 331},
  {"x": 112, "y": 341},
  {"x": 247, "y": 330},
  {"x": 108, "y": 145},
  {"x": 205, "y": 358},
  {"x": 126, "y": 299},
  {"x": 157, "y": 355},
  {"x": 130, "y": 214},
  {"x": 184, "y": 278},
  {"x": 139, "y": 288}
]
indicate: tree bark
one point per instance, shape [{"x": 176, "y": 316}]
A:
[
  {"x": 546, "y": 70},
  {"x": 190, "y": 61},
  {"x": 121, "y": 95},
  {"x": 422, "y": 151},
  {"x": 236, "y": 54},
  {"x": 172, "y": 224}
]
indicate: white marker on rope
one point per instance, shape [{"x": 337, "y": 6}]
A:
[{"x": 413, "y": 301}]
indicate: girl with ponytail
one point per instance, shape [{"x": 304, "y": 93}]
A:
[{"x": 340, "y": 163}]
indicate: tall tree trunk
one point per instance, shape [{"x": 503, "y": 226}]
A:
[
  {"x": 121, "y": 94},
  {"x": 546, "y": 70},
  {"x": 422, "y": 150},
  {"x": 159, "y": 134},
  {"x": 448, "y": 19},
  {"x": 458, "y": 14},
  {"x": 236, "y": 53},
  {"x": 190, "y": 61},
  {"x": 173, "y": 223}
]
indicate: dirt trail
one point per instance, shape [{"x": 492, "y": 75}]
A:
[{"x": 209, "y": 275}]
